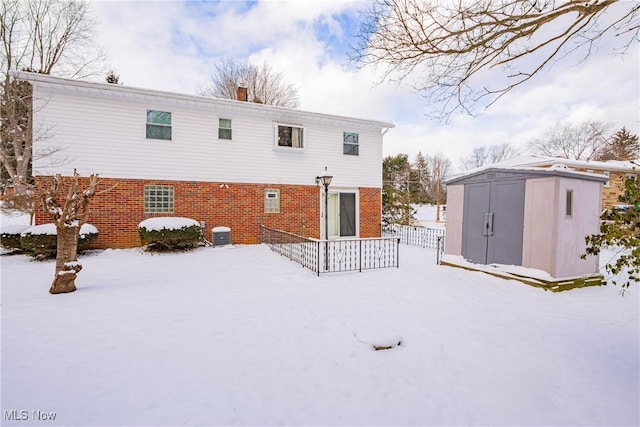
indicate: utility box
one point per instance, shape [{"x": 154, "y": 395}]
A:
[{"x": 221, "y": 236}]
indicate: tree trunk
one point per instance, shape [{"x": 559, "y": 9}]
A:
[{"x": 67, "y": 266}]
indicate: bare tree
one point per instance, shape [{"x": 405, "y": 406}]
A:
[
  {"x": 264, "y": 85},
  {"x": 42, "y": 37},
  {"x": 439, "y": 170},
  {"x": 583, "y": 141},
  {"x": 68, "y": 204},
  {"x": 488, "y": 155},
  {"x": 445, "y": 48},
  {"x": 623, "y": 145}
]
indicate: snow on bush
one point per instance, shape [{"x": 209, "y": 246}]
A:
[
  {"x": 169, "y": 233},
  {"x": 10, "y": 236},
  {"x": 40, "y": 241}
]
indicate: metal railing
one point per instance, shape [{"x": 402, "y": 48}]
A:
[
  {"x": 416, "y": 235},
  {"x": 330, "y": 256}
]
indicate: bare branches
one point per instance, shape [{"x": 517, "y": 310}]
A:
[
  {"x": 584, "y": 141},
  {"x": 73, "y": 209},
  {"x": 43, "y": 36},
  {"x": 445, "y": 48},
  {"x": 264, "y": 86}
]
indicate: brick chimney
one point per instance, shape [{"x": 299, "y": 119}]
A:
[{"x": 242, "y": 93}]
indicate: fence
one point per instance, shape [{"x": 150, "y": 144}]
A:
[
  {"x": 416, "y": 235},
  {"x": 330, "y": 256}
]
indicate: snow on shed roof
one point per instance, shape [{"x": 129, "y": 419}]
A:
[{"x": 529, "y": 172}]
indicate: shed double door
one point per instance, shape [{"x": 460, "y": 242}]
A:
[{"x": 493, "y": 222}]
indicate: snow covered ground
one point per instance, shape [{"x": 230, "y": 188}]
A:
[{"x": 239, "y": 335}]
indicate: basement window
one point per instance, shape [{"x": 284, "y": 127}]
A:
[
  {"x": 158, "y": 199},
  {"x": 290, "y": 136},
  {"x": 158, "y": 125}
]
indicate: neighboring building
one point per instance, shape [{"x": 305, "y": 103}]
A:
[
  {"x": 616, "y": 170},
  {"x": 523, "y": 216},
  {"x": 221, "y": 162}
]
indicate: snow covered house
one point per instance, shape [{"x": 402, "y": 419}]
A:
[
  {"x": 224, "y": 163},
  {"x": 525, "y": 223}
]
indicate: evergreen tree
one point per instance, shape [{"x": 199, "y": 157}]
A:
[
  {"x": 620, "y": 229},
  {"x": 420, "y": 179},
  {"x": 621, "y": 146}
]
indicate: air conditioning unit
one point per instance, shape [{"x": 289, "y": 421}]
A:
[{"x": 221, "y": 236}]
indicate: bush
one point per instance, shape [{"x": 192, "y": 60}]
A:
[
  {"x": 41, "y": 241},
  {"x": 10, "y": 237},
  {"x": 169, "y": 233}
]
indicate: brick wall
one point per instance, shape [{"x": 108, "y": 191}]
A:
[
  {"x": 118, "y": 212},
  {"x": 615, "y": 188},
  {"x": 370, "y": 212}
]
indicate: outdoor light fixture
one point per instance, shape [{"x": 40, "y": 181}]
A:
[{"x": 325, "y": 179}]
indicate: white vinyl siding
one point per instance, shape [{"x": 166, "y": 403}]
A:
[{"x": 121, "y": 151}]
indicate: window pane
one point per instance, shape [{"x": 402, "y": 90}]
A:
[
  {"x": 158, "y": 199},
  {"x": 284, "y": 136},
  {"x": 158, "y": 132},
  {"x": 350, "y": 137},
  {"x": 224, "y": 123},
  {"x": 224, "y": 133},
  {"x": 350, "y": 149},
  {"x": 290, "y": 136},
  {"x": 159, "y": 117}
]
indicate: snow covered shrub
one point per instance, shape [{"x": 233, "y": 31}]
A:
[
  {"x": 41, "y": 242},
  {"x": 169, "y": 233},
  {"x": 10, "y": 237}
]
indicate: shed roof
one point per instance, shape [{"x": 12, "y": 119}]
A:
[{"x": 495, "y": 173}]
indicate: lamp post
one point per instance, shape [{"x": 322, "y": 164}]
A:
[{"x": 325, "y": 179}]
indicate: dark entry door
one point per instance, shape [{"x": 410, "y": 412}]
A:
[
  {"x": 493, "y": 221},
  {"x": 347, "y": 214}
]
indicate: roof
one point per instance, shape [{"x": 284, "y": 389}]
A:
[
  {"x": 521, "y": 172},
  {"x": 224, "y": 104},
  {"x": 546, "y": 161}
]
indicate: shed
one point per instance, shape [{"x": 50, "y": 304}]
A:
[{"x": 535, "y": 218}]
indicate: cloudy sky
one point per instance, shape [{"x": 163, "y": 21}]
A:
[{"x": 173, "y": 45}]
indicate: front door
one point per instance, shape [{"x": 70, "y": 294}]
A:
[{"x": 342, "y": 215}]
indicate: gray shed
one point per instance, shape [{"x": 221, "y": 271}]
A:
[{"x": 530, "y": 217}]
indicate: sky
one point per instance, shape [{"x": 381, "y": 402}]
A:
[{"x": 174, "y": 45}]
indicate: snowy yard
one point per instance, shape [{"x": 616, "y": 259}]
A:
[
  {"x": 242, "y": 336},
  {"x": 239, "y": 335}
]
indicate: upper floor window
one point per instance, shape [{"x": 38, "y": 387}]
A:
[
  {"x": 224, "y": 129},
  {"x": 158, "y": 199},
  {"x": 350, "y": 143},
  {"x": 158, "y": 125},
  {"x": 290, "y": 136}
]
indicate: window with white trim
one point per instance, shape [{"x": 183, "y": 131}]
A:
[
  {"x": 632, "y": 176},
  {"x": 224, "y": 129},
  {"x": 158, "y": 199},
  {"x": 158, "y": 125},
  {"x": 608, "y": 174},
  {"x": 271, "y": 201},
  {"x": 290, "y": 136},
  {"x": 350, "y": 143}
]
